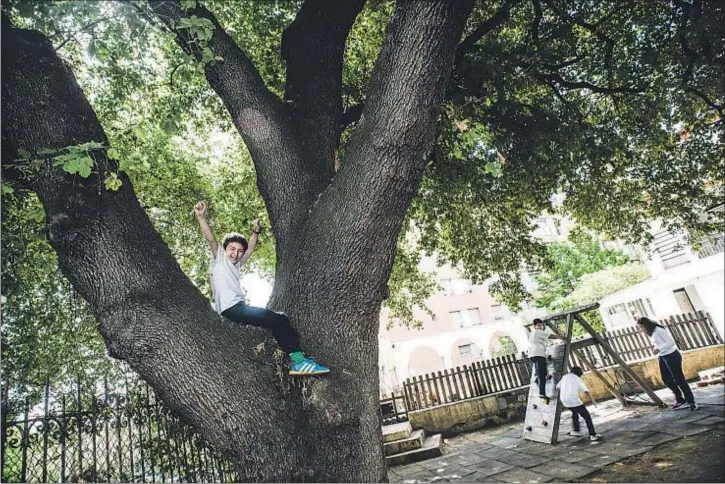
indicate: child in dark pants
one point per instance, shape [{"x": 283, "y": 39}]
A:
[
  {"x": 670, "y": 360},
  {"x": 537, "y": 355},
  {"x": 570, "y": 385},
  {"x": 230, "y": 299}
]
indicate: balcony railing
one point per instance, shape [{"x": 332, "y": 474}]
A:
[{"x": 711, "y": 246}]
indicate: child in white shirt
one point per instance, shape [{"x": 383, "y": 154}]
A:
[
  {"x": 537, "y": 355},
  {"x": 570, "y": 385}
]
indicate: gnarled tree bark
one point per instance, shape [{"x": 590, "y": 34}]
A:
[{"x": 336, "y": 234}]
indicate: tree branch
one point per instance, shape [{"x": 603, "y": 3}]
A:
[
  {"x": 592, "y": 87},
  {"x": 287, "y": 184},
  {"x": 385, "y": 159},
  {"x": 496, "y": 20},
  {"x": 313, "y": 47}
]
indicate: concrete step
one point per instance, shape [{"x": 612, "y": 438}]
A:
[
  {"x": 414, "y": 441},
  {"x": 397, "y": 431},
  {"x": 431, "y": 448},
  {"x": 711, "y": 376}
]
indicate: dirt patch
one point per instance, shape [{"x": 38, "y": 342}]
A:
[{"x": 699, "y": 458}]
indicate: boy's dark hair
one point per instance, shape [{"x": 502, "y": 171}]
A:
[
  {"x": 648, "y": 325},
  {"x": 538, "y": 321},
  {"x": 235, "y": 237},
  {"x": 577, "y": 371}
]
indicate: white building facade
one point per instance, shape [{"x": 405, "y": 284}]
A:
[{"x": 684, "y": 280}]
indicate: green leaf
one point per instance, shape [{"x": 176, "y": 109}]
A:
[
  {"x": 112, "y": 182},
  {"x": 188, "y": 4},
  {"x": 7, "y": 189},
  {"x": 80, "y": 164},
  {"x": 112, "y": 154}
]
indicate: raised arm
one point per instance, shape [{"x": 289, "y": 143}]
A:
[
  {"x": 200, "y": 210},
  {"x": 252, "y": 240}
]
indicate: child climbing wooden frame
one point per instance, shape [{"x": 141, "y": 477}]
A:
[{"x": 542, "y": 421}]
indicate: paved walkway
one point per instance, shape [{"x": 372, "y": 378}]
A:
[{"x": 502, "y": 455}]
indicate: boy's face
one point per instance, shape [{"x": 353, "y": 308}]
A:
[
  {"x": 234, "y": 251},
  {"x": 539, "y": 326}
]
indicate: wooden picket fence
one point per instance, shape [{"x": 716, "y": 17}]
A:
[
  {"x": 480, "y": 378},
  {"x": 467, "y": 381}
]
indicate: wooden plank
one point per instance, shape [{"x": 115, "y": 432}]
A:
[
  {"x": 503, "y": 368},
  {"x": 426, "y": 389},
  {"x": 682, "y": 318},
  {"x": 481, "y": 387},
  {"x": 711, "y": 326},
  {"x": 702, "y": 325},
  {"x": 444, "y": 396},
  {"x": 487, "y": 372},
  {"x": 683, "y": 342},
  {"x": 621, "y": 362},
  {"x": 469, "y": 382},
  {"x": 692, "y": 321},
  {"x": 629, "y": 343},
  {"x": 498, "y": 371},
  {"x": 437, "y": 388},
  {"x": 674, "y": 331},
  {"x": 682, "y": 324}
]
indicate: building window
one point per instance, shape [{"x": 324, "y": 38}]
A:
[
  {"x": 498, "y": 312},
  {"x": 455, "y": 286},
  {"x": 469, "y": 352},
  {"x": 546, "y": 226},
  {"x": 625, "y": 314},
  {"x": 465, "y": 318}
]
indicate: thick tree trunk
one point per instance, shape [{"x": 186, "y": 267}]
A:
[{"x": 336, "y": 240}]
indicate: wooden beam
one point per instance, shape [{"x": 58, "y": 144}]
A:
[
  {"x": 564, "y": 363},
  {"x": 620, "y": 361},
  {"x": 579, "y": 354}
]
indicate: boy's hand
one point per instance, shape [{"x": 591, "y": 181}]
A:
[
  {"x": 200, "y": 209},
  {"x": 255, "y": 226}
]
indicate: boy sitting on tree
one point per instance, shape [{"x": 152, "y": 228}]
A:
[{"x": 230, "y": 299}]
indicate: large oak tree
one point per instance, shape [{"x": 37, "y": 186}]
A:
[{"x": 615, "y": 104}]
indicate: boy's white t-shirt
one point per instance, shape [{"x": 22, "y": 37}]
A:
[
  {"x": 226, "y": 282},
  {"x": 537, "y": 342},
  {"x": 570, "y": 385},
  {"x": 663, "y": 340}
]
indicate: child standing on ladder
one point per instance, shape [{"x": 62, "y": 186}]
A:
[
  {"x": 537, "y": 355},
  {"x": 230, "y": 300},
  {"x": 570, "y": 385}
]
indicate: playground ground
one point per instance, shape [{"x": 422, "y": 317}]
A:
[{"x": 639, "y": 444}]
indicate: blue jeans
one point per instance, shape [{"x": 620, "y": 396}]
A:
[
  {"x": 286, "y": 336},
  {"x": 672, "y": 376}
]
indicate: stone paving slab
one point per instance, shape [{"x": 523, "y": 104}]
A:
[
  {"x": 622, "y": 450},
  {"x": 573, "y": 456},
  {"x": 517, "y": 475},
  {"x": 505, "y": 442},
  {"x": 489, "y": 468},
  {"x": 420, "y": 476},
  {"x": 600, "y": 460},
  {"x": 657, "y": 438},
  {"x": 630, "y": 436},
  {"x": 528, "y": 460},
  {"x": 681, "y": 430},
  {"x": 710, "y": 421},
  {"x": 563, "y": 470},
  {"x": 452, "y": 471},
  {"x": 499, "y": 454},
  {"x": 409, "y": 469}
]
